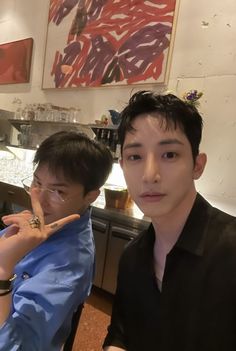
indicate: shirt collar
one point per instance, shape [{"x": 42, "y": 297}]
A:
[{"x": 193, "y": 235}]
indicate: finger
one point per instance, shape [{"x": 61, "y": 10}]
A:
[
  {"x": 37, "y": 209},
  {"x": 53, "y": 227},
  {"x": 11, "y": 230},
  {"x": 25, "y": 212},
  {"x": 12, "y": 217}
]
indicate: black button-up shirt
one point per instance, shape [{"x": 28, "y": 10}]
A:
[{"x": 196, "y": 310}]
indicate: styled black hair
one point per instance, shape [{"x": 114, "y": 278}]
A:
[
  {"x": 172, "y": 110},
  {"x": 79, "y": 158}
]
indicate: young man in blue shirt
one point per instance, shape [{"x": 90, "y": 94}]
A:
[
  {"x": 176, "y": 287},
  {"x": 52, "y": 273}
]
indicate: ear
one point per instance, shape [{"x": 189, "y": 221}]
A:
[
  {"x": 199, "y": 166},
  {"x": 92, "y": 195}
]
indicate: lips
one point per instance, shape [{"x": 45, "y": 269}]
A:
[{"x": 151, "y": 196}]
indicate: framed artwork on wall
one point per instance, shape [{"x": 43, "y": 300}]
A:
[
  {"x": 15, "y": 61},
  {"x": 108, "y": 42}
]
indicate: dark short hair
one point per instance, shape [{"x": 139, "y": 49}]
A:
[
  {"x": 170, "y": 108},
  {"x": 79, "y": 158}
]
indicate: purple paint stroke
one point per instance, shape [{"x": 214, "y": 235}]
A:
[
  {"x": 100, "y": 55},
  {"x": 71, "y": 53},
  {"x": 95, "y": 9},
  {"x": 84, "y": 17},
  {"x": 144, "y": 46},
  {"x": 65, "y": 8},
  {"x": 112, "y": 73},
  {"x": 79, "y": 22}
]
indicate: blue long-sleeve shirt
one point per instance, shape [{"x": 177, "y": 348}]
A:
[{"x": 51, "y": 282}]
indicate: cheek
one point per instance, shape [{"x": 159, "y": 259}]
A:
[
  {"x": 58, "y": 211},
  {"x": 72, "y": 206},
  {"x": 180, "y": 173},
  {"x": 66, "y": 208}
]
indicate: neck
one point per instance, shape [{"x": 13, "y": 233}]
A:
[
  {"x": 169, "y": 227},
  {"x": 167, "y": 231}
]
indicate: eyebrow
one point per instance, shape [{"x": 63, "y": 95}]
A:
[
  {"x": 171, "y": 141},
  {"x": 162, "y": 142},
  {"x": 53, "y": 184}
]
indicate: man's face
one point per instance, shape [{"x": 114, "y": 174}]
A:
[
  {"x": 159, "y": 168},
  {"x": 54, "y": 189}
]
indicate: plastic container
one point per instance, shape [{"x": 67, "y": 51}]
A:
[{"x": 117, "y": 197}]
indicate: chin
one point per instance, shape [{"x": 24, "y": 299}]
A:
[{"x": 153, "y": 211}]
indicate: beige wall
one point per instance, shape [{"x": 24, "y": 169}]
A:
[{"x": 204, "y": 57}]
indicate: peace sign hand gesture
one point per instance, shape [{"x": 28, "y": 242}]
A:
[{"x": 25, "y": 233}]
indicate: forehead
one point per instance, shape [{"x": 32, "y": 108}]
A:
[
  {"x": 44, "y": 173},
  {"x": 153, "y": 127},
  {"x": 48, "y": 178}
]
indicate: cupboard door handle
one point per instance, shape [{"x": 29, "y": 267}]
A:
[
  {"x": 122, "y": 236},
  {"x": 123, "y": 233},
  {"x": 100, "y": 226},
  {"x": 10, "y": 192},
  {"x": 131, "y": 231}
]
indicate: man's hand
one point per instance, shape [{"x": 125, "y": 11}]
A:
[{"x": 20, "y": 238}]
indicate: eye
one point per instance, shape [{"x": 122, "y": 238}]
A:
[
  {"x": 59, "y": 192},
  {"x": 133, "y": 157},
  {"x": 62, "y": 194},
  {"x": 169, "y": 155}
]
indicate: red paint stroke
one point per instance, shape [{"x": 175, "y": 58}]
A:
[
  {"x": 15, "y": 61},
  {"x": 112, "y": 41}
]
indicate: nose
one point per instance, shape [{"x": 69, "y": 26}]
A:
[{"x": 151, "y": 172}]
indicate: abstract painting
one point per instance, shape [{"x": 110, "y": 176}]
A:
[
  {"x": 93, "y": 43},
  {"x": 15, "y": 61}
]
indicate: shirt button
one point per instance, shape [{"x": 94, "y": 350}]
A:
[{"x": 25, "y": 275}]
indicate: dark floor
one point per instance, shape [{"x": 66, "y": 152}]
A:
[{"x": 94, "y": 321}]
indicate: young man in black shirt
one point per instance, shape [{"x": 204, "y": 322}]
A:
[{"x": 176, "y": 287}]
